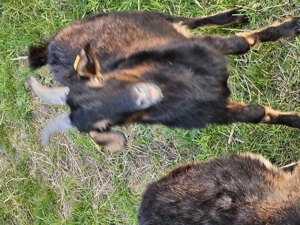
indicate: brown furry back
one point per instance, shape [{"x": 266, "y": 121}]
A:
[{"x": 240, "y": 189}]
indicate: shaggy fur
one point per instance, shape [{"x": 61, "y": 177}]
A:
[
  {"x": 237, "y": 190},
  {"x": 149, "y": 47}
]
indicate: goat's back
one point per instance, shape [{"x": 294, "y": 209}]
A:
[
  {"x": 120, "y": 33},
  {"x": 113, "y": 35},
  {"x": 241, "y": 189}
]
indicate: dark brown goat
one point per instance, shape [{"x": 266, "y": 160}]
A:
[
  {"x": 144, "y": 67},
  {"x": 241, "y": 189}
]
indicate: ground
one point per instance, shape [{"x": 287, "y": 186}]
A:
[{"x": 75, "y": 182}]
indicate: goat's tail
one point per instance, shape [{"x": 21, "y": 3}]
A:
[{"x": 38, "y": 55}]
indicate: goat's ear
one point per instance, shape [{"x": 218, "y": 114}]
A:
[
  {"x": 89, "y": 67},
  {"x": 111, "y": 140}
]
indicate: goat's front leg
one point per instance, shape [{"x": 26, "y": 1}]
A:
[
  {"x": 243, "y": 42},
  {"x": 237, "y": 112}
]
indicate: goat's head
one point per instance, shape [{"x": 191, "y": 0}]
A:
[{"x": 97, "y": 101}]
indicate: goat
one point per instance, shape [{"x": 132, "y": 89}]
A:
[
  {"x": 240, "y": 189},
  {"x": 144, "y": 67}
]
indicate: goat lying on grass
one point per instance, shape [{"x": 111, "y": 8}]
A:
[
  {"x": 241, "y": 189},
  {"x": 144, "y": 67}
]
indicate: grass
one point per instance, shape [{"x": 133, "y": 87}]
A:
[{"x": 74, "y": 182}]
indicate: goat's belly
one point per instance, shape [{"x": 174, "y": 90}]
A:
[{"x": 189, "y": 116}]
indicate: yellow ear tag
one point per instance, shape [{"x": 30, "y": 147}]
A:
[{"x": 76, "y": 62}]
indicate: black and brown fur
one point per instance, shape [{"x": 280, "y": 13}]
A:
[
  {"x": 241, "y": 189},
  {"x": 133, "y": 47}
]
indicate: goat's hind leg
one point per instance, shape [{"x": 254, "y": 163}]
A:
[
  {"x": 237, "y": 112},
  {"x": 224, "y": 18},
  {"x": 288, "y": 28},
  {"x": 243, "y": 42}
]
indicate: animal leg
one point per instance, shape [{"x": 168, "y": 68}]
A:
[
  {"x": 243, "y": 42},
  {"x": 224, "y": 18},
  {"x": 288, "y": 28},
  {"x": 237, "y": 112}
]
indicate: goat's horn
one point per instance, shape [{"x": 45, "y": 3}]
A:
[
  {"x": 290, "y": 167},
  {"x": 57, "y": 124},
  {"x": 55, "y": 96}
]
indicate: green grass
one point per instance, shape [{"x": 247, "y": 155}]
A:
[{"x": 74, "y": 182}]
